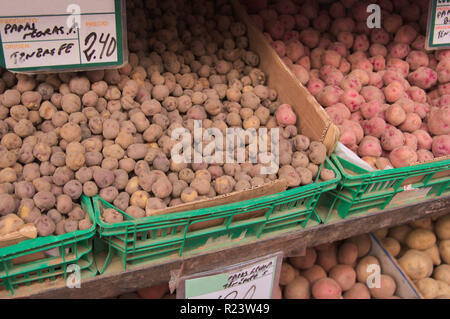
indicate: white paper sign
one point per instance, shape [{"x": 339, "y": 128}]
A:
[
  {"x": 252, "y": 280},
  {"x": 67, "y": 35},
  {"x": 438, "y": 32}
]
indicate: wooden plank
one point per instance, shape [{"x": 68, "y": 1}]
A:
[{"x": 112, "y": 284}]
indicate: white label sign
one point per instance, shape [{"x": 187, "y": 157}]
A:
[
  {"x": 70, "y": 34},
  {"x": 253, "y": 280},
  {"x": 438, "y": 33}
]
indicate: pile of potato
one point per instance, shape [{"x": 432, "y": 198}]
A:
[
  {"x": 388, "y": 95},
  {"x": 422, "y": 249},
  {"x": 338, "y": 270},
  {"x": 108, "y": 132}
]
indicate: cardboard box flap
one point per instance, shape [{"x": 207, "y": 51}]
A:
[{"x": 313, "y": 121}]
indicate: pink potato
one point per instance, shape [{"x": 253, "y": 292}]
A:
[
  {"x": 301, "y": 22},
  {"x": 393, "y": 91},
  {"x": 379, "y": 36},
  {"x": 370, "y": 109},
  {"x": 361, "y": 43},
  {"x": 326, "y": 288},
  {"x": 357, "y": 117},
  {"x": 378, "y": 62},
  {"x": 392, "y": 23},
  {"x": 336, "y": 114},
  {"x": 315, "y": 86},
  {"x": 416, "y": 59},
  {"x": 399, "y": 50},
  {"x": 345, "y": 111},
  {"x": 424, "y": 140},
  {"x": 405, "y": 34},
  {"x": 441, "y": 145},
  {"x": 305, "y": 62},
  {"x": 357, "y": 56},
  {"x": 334, "y": 78},
  {"x": 372, "y": 93},
  {"x": 443, "y": 70},
  {"x": 378, "y": 50},
  {"x": 410, "y": 141},
  {"x": 395, "y": 115},
  {"x": 382, "y": 162},
  {"x": 327, "y": 258},
  {"x": 347, "y": 254},
  {"x": 439, "y": 120},
  {"x": 423, "y": 77},
  {"x": 279, "y": 48},
  {"x": 329, "y": 95},
  {"x": 399, "y": 65},
  {"x": 346, "y": 38},
  {"x": 424, "y": 155},
  {"x": 309, "y": 37},
  {"x": 347, "y": 136},
  {"x": 363, "y": 64},
  {"x": 285, "y": 7},
  {"x": 304, "y": 262},
  {"x": 344, "y": 275},
  {"x": 295, "y": 50},
  {"x": 287, "y": 21},
  {"x": 406, "y": 104},
  {"x": 330, "y": 57},
  {"x": 369, "y": 146},
  {"x": 417, "y": 94},
  {"x": 351, "y": 82},
  {"x": 392, "y": 138},
  {"x": 275, "y": 28},
  {"x": 285, "y": 115},
  {"x": 421, "y": 109},
  {"x": 403, "y": 156},
  {"x": 444, "y": 89},
  {"x": 300, "y": 73},
  {"x": 362, "y": 75},
  {"x": 376, "y": 79},
  {"x": 338, "y": 25},
  {"x": 374, "y": 127},
  {"x": 291, "y": 35},
  {"x": 356, "y": 128},
  {"x": 352, "y": 100},
  {"x": 314, "y": 273},
  {"x": 358, "y": 291},
  {"x": 412, "y": 123}
]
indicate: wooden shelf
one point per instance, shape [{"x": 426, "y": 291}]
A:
[{"x": 117, "y": 281}]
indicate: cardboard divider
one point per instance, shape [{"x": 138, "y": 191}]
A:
[
  {"x": 312, "y": 121},
  {"x": 406, "y": 289}
]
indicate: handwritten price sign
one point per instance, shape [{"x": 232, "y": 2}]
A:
[
  {"x": 438, "y": 33},
  {"x": 65, "y": 35},
  {"x": 252, "y": 280}
]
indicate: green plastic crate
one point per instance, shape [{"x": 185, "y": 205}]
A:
[
  {"x": 137, "y": 241},
  {"x": 361, "y": 191},
  {"x": 42, "y": 264}
]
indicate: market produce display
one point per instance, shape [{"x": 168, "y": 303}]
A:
[
  {"x": 108, "y": 132},
  {"x": 422, "y": 249},
  {"x": 337, "y": 270},
  {"x": 388, "y": 95}
]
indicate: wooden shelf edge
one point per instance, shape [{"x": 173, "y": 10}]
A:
[{"x": 113, "y": 284}]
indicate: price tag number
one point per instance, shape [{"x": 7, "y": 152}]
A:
[
  {"x": 235, "y": 294},
  {"x": 99, "y": 46}
]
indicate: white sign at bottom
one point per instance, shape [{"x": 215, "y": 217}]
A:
[{"x": 251, "y": 280}]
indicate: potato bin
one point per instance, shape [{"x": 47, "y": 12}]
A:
[
  {"x": 235, "y": 217},
  {"x": 46, "y": 259}
]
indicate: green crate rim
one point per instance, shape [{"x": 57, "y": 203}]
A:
[
  {"x": 364, "y": 174},
  {"x": 43, "y": 242},
  {"x": 215, "y": 209}
]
